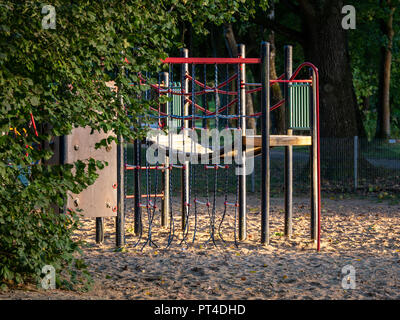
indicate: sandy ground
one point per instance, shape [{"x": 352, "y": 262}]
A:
[{"x": 361, "y": 233}]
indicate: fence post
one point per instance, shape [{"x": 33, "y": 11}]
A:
[{"x": 355, "y": 163}]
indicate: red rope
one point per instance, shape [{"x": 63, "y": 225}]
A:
[
  {"x": 198, "y": 93},
  {"x": 275, "y": 106},
  {"x": 253, "y": 90},
  {"x": 222, "y": 84},
  {"x": 209, "y": 112}
]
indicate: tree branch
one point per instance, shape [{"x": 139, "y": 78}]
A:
[
  {"x": 280, "y": 28},
  {"x": 307, "y": 8},
  {"x": 291, "y": 5}
]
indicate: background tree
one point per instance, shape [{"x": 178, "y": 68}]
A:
[{"x": 386, "y": 21}]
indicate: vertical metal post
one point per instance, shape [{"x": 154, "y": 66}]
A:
[
  {"x": 185, "y": 124},
  {"x": 204, "y": 98},
  {"x": 314, "y": 162},
  {"x": 165, "y": 174},
  {"x": 242, "y": 176},
  {"x": 99, "y": 229},
  {"x": 288, "y": 149},
  {"x": 265, "y": 148},
  {"x": 120, "y": 219},
  {"x": 137, "y": 163},
  {"x": 355, "y": 163}
]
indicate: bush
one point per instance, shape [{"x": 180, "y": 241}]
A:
[{"x": 58, "y": 78}]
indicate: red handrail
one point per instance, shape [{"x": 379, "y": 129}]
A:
[
  {"x": 315, "y": 69},
  {"x": 180, "y": 60}
]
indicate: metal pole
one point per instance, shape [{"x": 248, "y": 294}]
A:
[
  {"x": 165, "y": 175},
  {"x": 137, "y": 163},
  {"x": 288, "y": 149},
  {"x": 355, "y": 163},
  {"x": 242, "y": 123},
  {"x": 120, "y": 219},
  {"x": 314, "y": 162},
  {"x": 185, "y": 124},
  {"x": 265, "y": 161}
]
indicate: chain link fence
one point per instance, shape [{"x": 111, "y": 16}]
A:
[{"x": 348, "y": 165}]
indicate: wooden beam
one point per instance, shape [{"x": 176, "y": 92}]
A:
[{"x": 279, "y": 140}]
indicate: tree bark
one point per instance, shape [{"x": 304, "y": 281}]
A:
[
  {"x": 326, "y": 46},
  {"x": 276, "y": 92},
  {"x": 231, "y": 45},
  {"x": 383, "y": 121}
]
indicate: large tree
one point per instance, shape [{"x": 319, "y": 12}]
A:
[
  {"x": 387, "y": 9},
  {"x": 317, "y": 26}
]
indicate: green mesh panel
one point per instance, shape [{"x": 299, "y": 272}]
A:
[
  {"x": 176, "y": 105},
  {"x": 299, "y": 106}
]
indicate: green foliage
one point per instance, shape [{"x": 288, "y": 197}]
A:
[
  {"x": 365, "y": 49},
  {"x": 59, "y": 75}
]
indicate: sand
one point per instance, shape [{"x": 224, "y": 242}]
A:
[{"x": 360, "y": 233}]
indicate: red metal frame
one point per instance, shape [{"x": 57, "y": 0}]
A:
[
  {"x": 315, "y": 69},
  {"x": 180, "y": 60}
]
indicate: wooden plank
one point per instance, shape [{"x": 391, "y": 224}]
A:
[{"x": 279, "y": 140}]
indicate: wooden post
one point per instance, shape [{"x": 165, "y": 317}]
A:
[
  {"x": 265, "y": 149},
  {"x": 165, "y": 174},
  {"x": 137, "y": 163},
  {"x": 314, "y": 162},
  {"x": 120, "y": 219},
  {"x": 99, "y": 229},
  {"x": 242, "y": 124},
  {"x": 185, "y": 124},
  {"x": 288, "y": 149}
]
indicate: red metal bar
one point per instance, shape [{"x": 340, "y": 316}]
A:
[
  {"x": 34, "y": 125},
  {"x": 291, "y": 81},
  {"x": 278, "y": 81},
  {"x": 180, "y": 60}
]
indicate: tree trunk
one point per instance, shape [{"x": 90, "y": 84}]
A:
[
  {"x": 383, "y": 121},
  {"x": 231, "y": 45},
  {"x": 276, "y": 92},
  {"x": 326, "y": 45}
]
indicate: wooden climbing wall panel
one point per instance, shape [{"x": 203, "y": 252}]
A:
[{"x": 99, "y": 199}]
